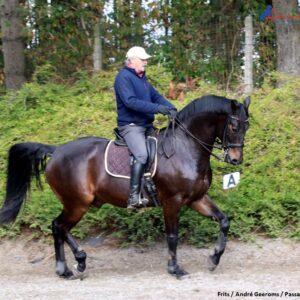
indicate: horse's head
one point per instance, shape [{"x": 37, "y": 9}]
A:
[{"x": 234, "y": 133}]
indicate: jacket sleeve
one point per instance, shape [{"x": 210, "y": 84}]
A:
[
  {"x": 124, "y": 88},
  {"x": 156, "y": 97}
]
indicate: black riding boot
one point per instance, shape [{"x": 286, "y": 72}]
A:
[{"x": 137, "y": 171}]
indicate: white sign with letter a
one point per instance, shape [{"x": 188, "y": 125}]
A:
[{"x": 231, "y": 180}]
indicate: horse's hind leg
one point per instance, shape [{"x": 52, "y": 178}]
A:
[
  {"x": 59, "y": 235},
  {"x": 79, "y": 254},
  {"x": 208, "y": 208},
  {"x": 60, "y": 229}
]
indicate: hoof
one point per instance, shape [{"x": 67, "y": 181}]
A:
[
  {"x": 178, "y": 272},
  {"x": 183, "y": 275},
  {"x": 211, "y": 265},
  {"x": 68, "y": 274},
  {"x": 62, "y": 270},
  {"x": 77, "y": 274}
]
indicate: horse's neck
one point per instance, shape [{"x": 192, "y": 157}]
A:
[
  {"x": 204, "y": 129},
  {"x": 188, "y": 138}
]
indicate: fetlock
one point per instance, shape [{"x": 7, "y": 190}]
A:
[{"x": 81, "y": 257}]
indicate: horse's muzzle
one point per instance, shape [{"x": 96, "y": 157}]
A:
[{"x": 234, "y": 156}]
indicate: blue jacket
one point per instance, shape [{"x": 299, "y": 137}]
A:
[{"x": 137, "y": 100}]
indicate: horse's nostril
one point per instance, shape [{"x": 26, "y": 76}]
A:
[{"x": 234, "y": 161}]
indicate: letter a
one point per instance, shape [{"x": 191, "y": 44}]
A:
[{"x": 231, "y": 181}]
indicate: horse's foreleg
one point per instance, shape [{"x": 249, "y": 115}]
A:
[
  {"x": 171, "y": 215},
  {"x": 208, "y": 208}
]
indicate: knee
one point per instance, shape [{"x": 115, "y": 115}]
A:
[{"x": 142, "y": 158}]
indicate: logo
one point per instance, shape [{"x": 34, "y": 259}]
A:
[
  {"x": 269, "y": 15},
  {"x": 266, "y": 14}
]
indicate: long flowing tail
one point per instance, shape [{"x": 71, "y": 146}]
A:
[{"x": 25, "y": 161}]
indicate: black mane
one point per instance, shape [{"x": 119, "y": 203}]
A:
[{"x": 213, "y": 104}]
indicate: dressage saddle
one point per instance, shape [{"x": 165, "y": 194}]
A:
[{"x": 148, "y": 183}]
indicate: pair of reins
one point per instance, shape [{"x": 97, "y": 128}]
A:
[{"x": 224, "y": 144}]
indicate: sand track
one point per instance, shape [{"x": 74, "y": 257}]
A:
[{"x": 266, "y": 269}]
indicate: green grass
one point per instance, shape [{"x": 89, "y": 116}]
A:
[{"x": 267, "y": 200}]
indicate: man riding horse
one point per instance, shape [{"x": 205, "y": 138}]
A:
[{"x": 137, "y": 102}]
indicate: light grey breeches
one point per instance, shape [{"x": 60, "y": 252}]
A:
[{"x": 135, "y": 137}]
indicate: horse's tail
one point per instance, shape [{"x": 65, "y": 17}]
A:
[{"x": 25, "y": 161}]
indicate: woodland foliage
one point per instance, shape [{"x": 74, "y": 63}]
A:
[{"x": 191, "y": 39}]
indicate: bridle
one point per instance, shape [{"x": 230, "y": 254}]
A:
[{"x": 225, "y": 145}]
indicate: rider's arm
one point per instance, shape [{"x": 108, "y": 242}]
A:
[
  {"x": 125, "y": 91},
  {"x": 156, "y": 97}
]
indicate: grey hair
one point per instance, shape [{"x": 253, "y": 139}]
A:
[{"x": 128, "y": 60}]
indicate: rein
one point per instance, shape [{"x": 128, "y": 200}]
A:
[
  {"x": 224, "y": 144},
  {"x": 203, "y": 144}
]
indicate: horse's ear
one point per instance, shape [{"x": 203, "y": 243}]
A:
[{"x": 247, "y": 102}]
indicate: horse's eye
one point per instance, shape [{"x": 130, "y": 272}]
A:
[{"x": 234, "y": 126}]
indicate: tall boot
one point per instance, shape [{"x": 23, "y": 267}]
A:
[{"x": 137, "y": 171}]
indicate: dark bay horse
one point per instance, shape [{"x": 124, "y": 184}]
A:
[{"x": 77, "y": 176}]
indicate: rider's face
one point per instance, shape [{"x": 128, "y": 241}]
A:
[{"x": 138, "y": 64}]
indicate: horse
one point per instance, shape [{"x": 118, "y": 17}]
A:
[{"x": 76, "y": 174}]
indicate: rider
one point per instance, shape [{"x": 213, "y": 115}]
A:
[{"x": 137, "y": 102}]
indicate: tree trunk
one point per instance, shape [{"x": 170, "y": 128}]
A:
[
  {"x": 12, "y": 43},
  {"x": 286, "y": 16},
  {"x": 248, "y": 72},
  {"x": 137, "y": 34},
  {"x": 166, "y": 17},
  {"x": 97, "y": 54}
]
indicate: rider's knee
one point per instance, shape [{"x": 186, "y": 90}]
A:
[{"x": 142, "y": 158}]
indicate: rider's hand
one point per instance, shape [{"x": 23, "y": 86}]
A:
[
  {"x": 172, "y": 113},
  {"x": 166, "y": 110}
]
